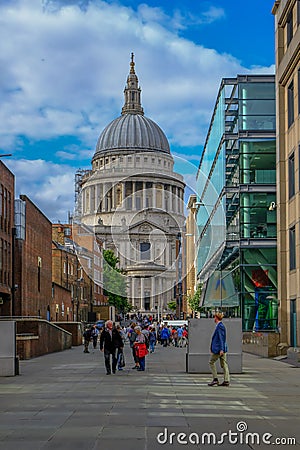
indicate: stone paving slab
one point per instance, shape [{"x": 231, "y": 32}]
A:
[{"x": 66, "y": 401}]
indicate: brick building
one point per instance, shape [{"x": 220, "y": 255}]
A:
[
  {"x": 33, "y": 260},
  {"x": 64, "y": 275},
  {"x": 77, "y": 269},
  {"x": 7, "y": 183}
]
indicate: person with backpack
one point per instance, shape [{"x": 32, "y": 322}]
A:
[
  {"x": 87, "y": 339},
  {"x": 94, "y": 336}
]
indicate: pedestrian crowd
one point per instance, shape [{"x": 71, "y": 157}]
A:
[{"x": 142, "y": 336}]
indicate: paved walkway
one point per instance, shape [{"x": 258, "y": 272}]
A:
[{"x": 66, "y": 401}]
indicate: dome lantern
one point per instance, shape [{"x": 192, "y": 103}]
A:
[
  {"x": 132, "y": 132},
  {"x": 132, "y": 92}
]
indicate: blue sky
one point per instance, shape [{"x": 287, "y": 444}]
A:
[{"x": 64, "y": 66}]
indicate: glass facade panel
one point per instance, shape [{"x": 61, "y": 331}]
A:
[
  {"x": 257, "y": 106},
  {"x": 256, "y": 91},
  {"x": 256, "y": 219},
  {"x": 259, "y": 289},
  {"x": 210, "y": 150},
  {"x": 258, "y": 162}
]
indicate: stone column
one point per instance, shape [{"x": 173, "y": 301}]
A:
[
  {"x": 104, "y": 196},
  {"x": 113, "y": 197},
  {"x": 163, "y": 200},
  {"x": 144, "y": 195},
  {"x": 123, "y": 196},
  {"x": 170, "y": 198},
  {"x": 142, "y": 306},
  {"x": 132, "y": 291},
  {"x": 97, "y": 198},
  {"x": 133, "y": 196},
  {"x": 161, "y": 299},
  {"x": 154, "y": 195},
  {"x": 152, "y": 304}
]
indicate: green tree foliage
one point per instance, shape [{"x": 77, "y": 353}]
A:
[
  {"x": 194, "y": 300},
  {"x": 114, "y": 282},
  {"x": 172, "y": 306}
]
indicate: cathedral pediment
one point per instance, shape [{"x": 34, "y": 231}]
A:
[{"x": 145, "y": 227}]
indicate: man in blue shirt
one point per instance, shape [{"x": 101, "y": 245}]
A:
[{"x": 218, "y": 350}]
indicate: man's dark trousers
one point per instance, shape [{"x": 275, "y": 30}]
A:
[{"x": 107, "y": 354}]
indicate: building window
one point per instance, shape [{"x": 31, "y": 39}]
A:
[
  {"x": 291, "y": 175},
  {"x": 289, "y": 27},
  {"x": 292, "y": 233},
  {"x": 138, "y": 203},
  {"x": 145, "y": 250},
  {"x": 291, "y": 104},
  {"x": 298, "y": 12}
]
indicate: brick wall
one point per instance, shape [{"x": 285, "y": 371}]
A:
[{"x": 34, "y": 265}]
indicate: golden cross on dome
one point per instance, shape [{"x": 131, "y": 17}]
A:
[{"x": 132, "y": 63}]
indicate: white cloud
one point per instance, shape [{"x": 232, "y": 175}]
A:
[
  {"x": 213, "y": 14},
  {"x": 66, "y": 67},
  {"x": 49, "y": 186}
]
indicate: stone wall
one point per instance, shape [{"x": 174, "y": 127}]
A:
[
  {"x": 75, "y": 328},
  {"x": 36, "y": 337},
  {"x": 261, "y": 343}
]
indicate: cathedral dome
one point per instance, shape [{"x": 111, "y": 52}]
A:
[{"x": 132, "y": 131}]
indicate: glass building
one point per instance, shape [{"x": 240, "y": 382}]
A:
[{"x": 236, "y": 204}]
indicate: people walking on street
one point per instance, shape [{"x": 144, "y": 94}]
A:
[
  {"x": 175, "y": 337},
  {"x": 165, "y": 335},
  {"x": 152, "y": 339},
  {"x": 94, "y": 335},
  {"x": 110, "y": 341},
  {"x": 179, "y": 334},
  {"x": 140, "y": 348},
  {"x": 219, "y": 350},
  {"x": 184, "y": 337},
  {"x": 132, "y": 337},
  {"x": 120, "y": 353},
  {"x": 87, "y": 339}
]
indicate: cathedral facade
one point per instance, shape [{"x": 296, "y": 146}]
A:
[{"x": 134, "y": 202}]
